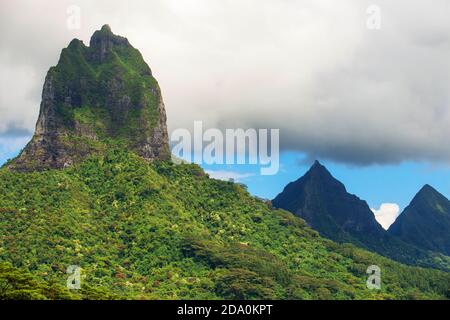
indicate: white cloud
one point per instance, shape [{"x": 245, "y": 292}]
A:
[
  {"x": 387, "y": 214},
  {"x": 227, "y": 175},
  {"x": 334, "y": 88}
]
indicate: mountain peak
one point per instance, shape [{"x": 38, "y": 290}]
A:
[
  {"x": 316, "y": 164},
  {"x": 428, "y": 194},
  {"x": 320, "y": 171},
  {"x": 325, "y": 204},
  {"x": 106, "y": 28},
  {"x": 103, "y": 41},
  {"x": 427, "y": 188},
  {"x": 104, "y": 31},
  {"x": 97, "y": 96},
  {"x": 425, "y": 222}
]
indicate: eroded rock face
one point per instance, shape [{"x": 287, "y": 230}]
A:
[{"x": 94, "y": 98}]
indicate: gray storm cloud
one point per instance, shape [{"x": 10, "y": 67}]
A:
[{"x": 312, "y": 68}]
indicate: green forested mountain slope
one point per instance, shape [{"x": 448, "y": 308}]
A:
[{"x": 165, "y": 231}]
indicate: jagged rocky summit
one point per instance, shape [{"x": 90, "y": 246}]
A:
[{"x": 96, "y": 97}]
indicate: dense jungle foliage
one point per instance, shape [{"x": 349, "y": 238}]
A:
[{"x": 158, "y": 230}]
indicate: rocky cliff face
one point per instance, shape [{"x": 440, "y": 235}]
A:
[{"x": 96, "y": 97}]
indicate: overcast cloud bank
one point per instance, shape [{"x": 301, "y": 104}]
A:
[{"x": 335, "y": 89}]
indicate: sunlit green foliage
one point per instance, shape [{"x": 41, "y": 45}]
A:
[{"x": 166, "y": 231}]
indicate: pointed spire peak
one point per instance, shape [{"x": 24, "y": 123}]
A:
[
  {"x": 75, "y": 43},
  {"x": 106, "y": 28},
  {"x": 105, "y": 33},
  {"x": 319, "y": 170},
  {"x": 427, "y": 188},
  {"x": 103, "y": 41},
  {"x": 317, "y": 166},
  {"x": 428, "y": 193},
  {"x": 317, "y": 163}
]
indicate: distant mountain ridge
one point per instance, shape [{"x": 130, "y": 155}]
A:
[
  {"x": 343, "y": 213},
  {"x": 425, "y": 223},
  {"x": 327, "y": 207}
]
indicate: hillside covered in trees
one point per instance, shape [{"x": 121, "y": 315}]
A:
[{"x": 163, "y": 231}]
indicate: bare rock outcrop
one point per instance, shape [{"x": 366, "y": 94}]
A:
[{"x": 97, "y": 96}]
